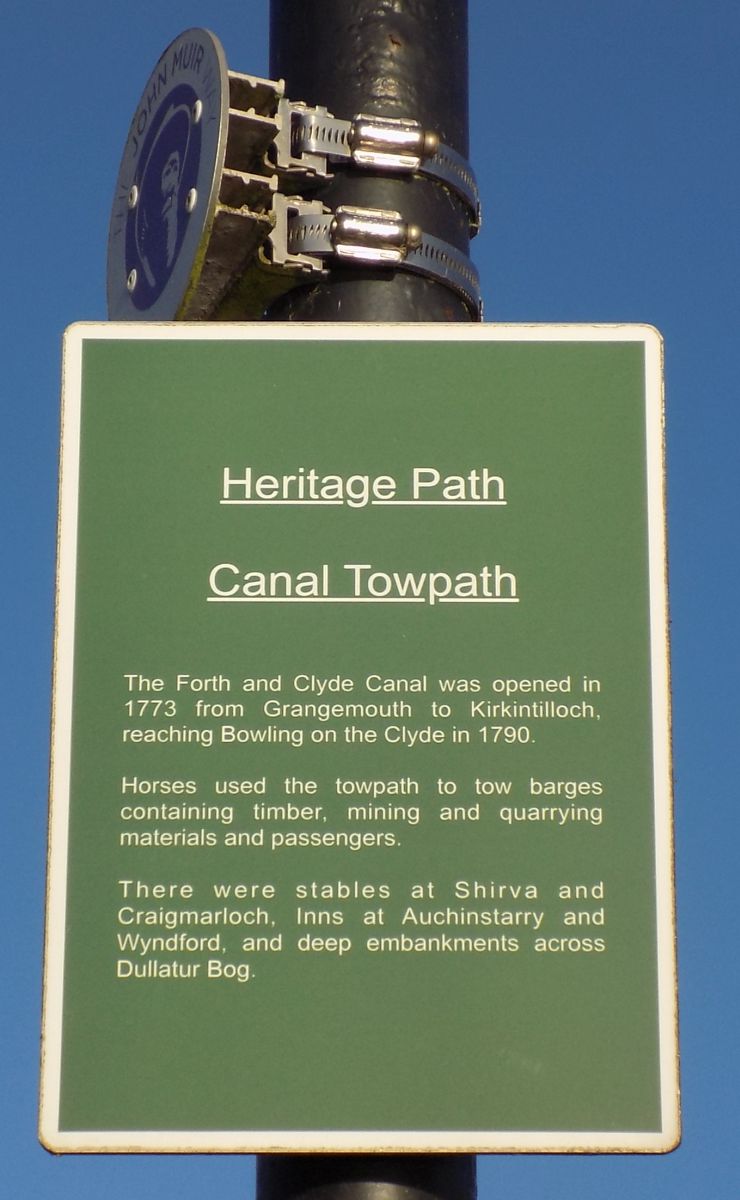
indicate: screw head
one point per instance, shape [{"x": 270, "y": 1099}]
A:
[
  {"x": 430, "y": 144},
  {"x": 197, "y": 111},
  {"x": 131, "y": 281},
  {"x": 191, "y": 200},
  {"x": 413, "y": 236},
  {"x": 133, "y": 196}
]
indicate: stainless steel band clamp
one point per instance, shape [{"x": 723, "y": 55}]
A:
[
  {"x": 309, "y": 139},
  {"x": 307, "y": 236}
]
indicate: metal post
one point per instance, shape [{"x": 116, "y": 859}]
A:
[
  {"x": 366, "y": 1177},
  {"x": 405, "y": 59}
]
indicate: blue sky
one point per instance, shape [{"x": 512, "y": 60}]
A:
[{"x": 605, "y": 142}]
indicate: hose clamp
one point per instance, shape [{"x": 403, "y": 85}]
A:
[
  {"x": 307, "y": 237},
  {"x": 311, "y": 139}
]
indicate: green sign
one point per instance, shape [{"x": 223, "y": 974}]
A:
[{"x": 360, "y": 818}]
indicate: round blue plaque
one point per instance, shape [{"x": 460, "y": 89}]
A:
[{"x": 168, "y": 181}]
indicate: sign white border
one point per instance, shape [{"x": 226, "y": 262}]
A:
[{"x": 379, "y": 1141}]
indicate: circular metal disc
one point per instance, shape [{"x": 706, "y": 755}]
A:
[{"x": 168, "y": 182}]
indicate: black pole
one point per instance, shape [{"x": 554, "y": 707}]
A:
[
  {"x": 405, "y": 59},
  {"x": 402, "y": 59},
  {"x": 366, "y": 1177}
]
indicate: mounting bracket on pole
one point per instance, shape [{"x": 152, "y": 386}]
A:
[{"x": 205, "y": 222}]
